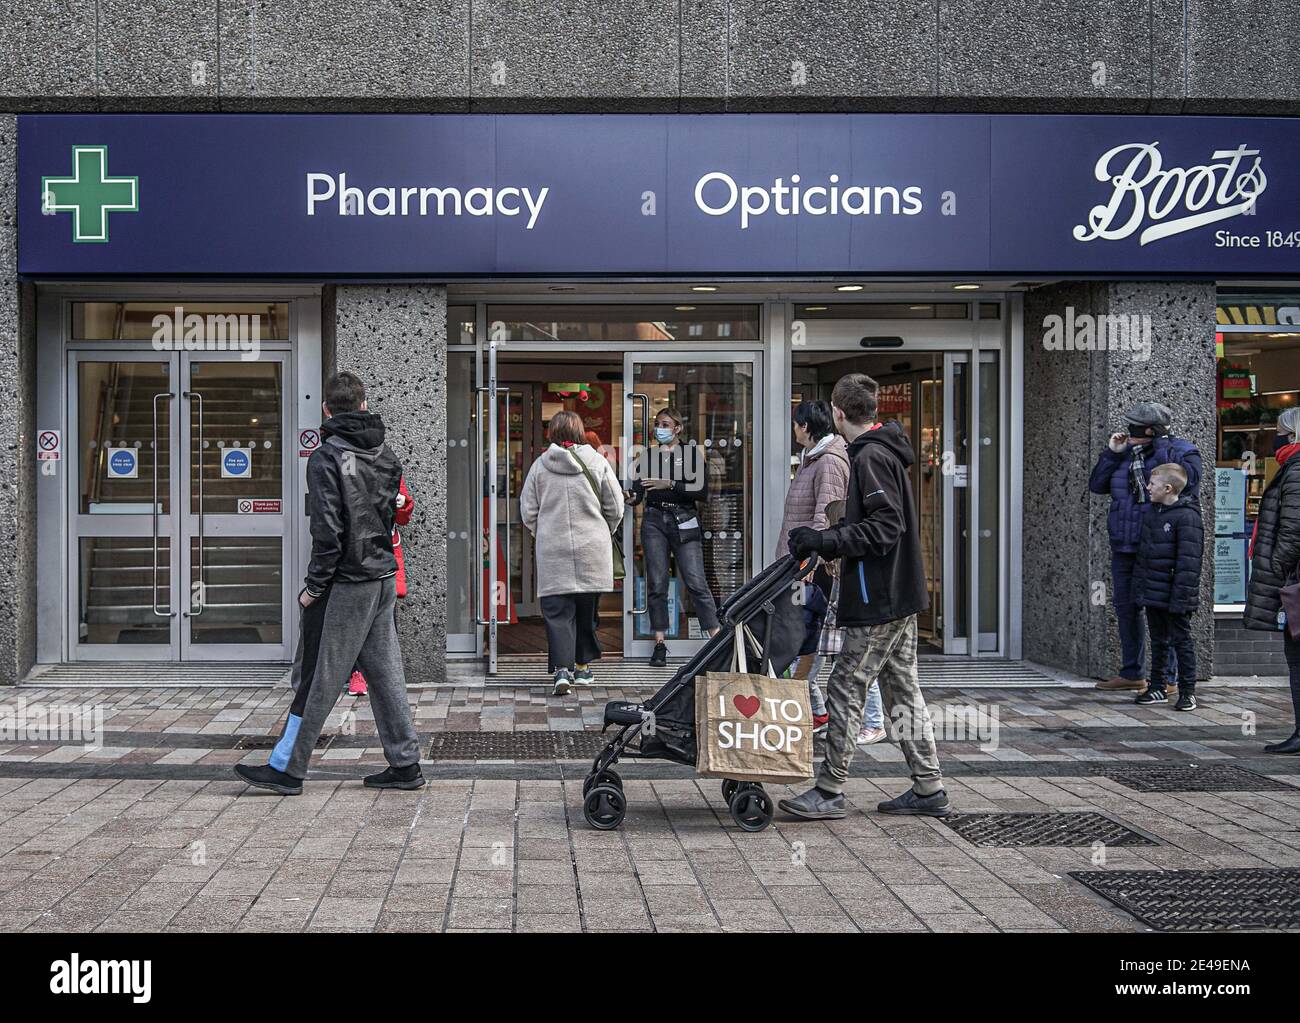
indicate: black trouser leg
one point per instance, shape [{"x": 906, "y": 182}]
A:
[
  {"x": 560, "y": 612},
  {"x": 586, "y": 643},
  {"x": 1291, "y": 648}
]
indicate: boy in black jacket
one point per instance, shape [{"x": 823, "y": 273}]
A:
[
  {"x": 1167, "y": 581},
  {"x": 882, "y": 587}
]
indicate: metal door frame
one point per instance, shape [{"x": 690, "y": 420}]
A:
[
  {"x": 55, "y": 603},
  {"x": 683, "y": 647},
  {"x": 196, "y": 524}
]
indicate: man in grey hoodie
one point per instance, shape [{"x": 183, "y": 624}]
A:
[{"x": 347, "y": 618}]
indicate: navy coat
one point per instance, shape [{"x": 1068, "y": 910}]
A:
[
  {"x": 1168, "y": 570},
  {"x": 1111, "y": 476}
]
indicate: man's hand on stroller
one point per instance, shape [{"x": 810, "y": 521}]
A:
[{"x": 805, "y": 540}]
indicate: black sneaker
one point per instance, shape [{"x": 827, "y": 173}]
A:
[
  {"x": 813, "y": 805},
  {"x": 409, "y": 777},
  {"x": 660, "y": 657},
  {"x": 934, "y": 805},
  {"x": 1186, "y": 700},
  {"x": 267, "y": 777},
  {"x": 1153, "y": 694}
]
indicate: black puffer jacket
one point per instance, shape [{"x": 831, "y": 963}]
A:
[
  {"x": 883, "y": 572},
  {"x": 1168, "y": 569},
  {"x": 1277, "y": 546},
  {"x": 352, "y": 484}
]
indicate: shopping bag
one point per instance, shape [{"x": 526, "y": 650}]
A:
[{"x": 751, "y": 727}]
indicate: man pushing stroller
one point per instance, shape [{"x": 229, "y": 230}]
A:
[{"x": 882, "y": 588}]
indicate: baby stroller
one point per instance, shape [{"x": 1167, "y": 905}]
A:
[{"x": 663, "y": 727}]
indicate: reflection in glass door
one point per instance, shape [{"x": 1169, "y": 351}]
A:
[
  {"x": 716, "y": 394},
  {"x": 218, "y": 514}
]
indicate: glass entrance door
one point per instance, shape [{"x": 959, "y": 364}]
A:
[
  {"x": 717, "y": 397},
  {"x": 178, "y": 549}
]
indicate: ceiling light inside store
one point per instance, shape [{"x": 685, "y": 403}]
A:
[
  {"x": 704, "y": 287},
  {"x": 965, "y": 287},
  {"x": 848, "y": 287},
  {"x": 684, "y": 308}
]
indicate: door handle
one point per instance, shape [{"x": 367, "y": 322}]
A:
[
  {"x": 197, "y": 398},
  {"x": 634, "y": 397},
  {"x": 156, "y": 454}
]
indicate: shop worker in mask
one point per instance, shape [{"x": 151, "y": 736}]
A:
[
  {"x": 674, "y": 489},
  {"x": 1122, "y": 472}
]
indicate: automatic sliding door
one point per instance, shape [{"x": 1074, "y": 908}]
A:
[{"x": 717, "y": 396}]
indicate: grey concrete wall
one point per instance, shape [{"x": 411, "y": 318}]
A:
[
  {"x": 395, "y": 337},
  {"x": 1079, "y": 399},
  {"x": 1162, "y": 56}
]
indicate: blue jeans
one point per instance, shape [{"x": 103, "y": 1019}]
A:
[
  {"x": 873, "y": 714},
  {"x": 658, "y": 540},
  {"x": 1132, "y": 620}
]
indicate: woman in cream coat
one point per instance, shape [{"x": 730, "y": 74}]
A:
[{"x": 571, "y": 514}]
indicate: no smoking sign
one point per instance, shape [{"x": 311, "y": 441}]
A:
[{"x": 308, "y": 441}]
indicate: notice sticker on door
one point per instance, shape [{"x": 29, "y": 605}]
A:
[
  {"x": 49, "y": 445},
  {"x": 122, "y": 463},
  {"x": 308, "y": 441},
  {"x": 249, "y": 506},
  {"x": 236, "y": 464}
]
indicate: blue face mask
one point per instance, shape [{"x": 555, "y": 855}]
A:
[{"x": 663, "y": 434}]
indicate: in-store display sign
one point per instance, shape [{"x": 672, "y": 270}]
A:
[{"x": 445, "y": 195}]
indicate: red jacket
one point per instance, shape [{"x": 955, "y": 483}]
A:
[{"x": 403, "y": 517}]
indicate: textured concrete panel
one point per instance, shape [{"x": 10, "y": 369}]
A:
[
  {"x": 1168, "y": 57},
  {"x": 601, "y": 55},
  {"x": 1242, "y": 56},
  {"x": 703, "y": 57},
  {"x": 47, "y": 54},
  {"x": 1080, "y": 398},
  {"x": 1044, "y": 55},
  {"x": 158, "y": 54},
  {"x": 395, "y": 337},
  {"x": 836, "y": 55},
  {"x": 18, "y": 386},
  {"x": 303, "y": 55}
]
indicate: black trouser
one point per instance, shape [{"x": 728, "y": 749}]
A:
[
  {"x": 1291, "y": 647},
  {"x": 571, "y": 629},
  {"x": 1171, "y": 631}
]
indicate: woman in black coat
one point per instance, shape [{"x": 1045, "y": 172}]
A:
[{"x": 1275, "y": 556}]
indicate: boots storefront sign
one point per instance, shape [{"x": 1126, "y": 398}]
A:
[{"x": 442, "y": 196}]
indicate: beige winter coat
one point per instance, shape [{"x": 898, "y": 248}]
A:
[{"x": 574, "y": 550}]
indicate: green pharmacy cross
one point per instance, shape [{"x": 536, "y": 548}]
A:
[{"x": 90, "y": 194}]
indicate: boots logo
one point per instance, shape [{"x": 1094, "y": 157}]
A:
[
  {"x": 89, "y": 194},
  {"x": 1168, "y": 201}
]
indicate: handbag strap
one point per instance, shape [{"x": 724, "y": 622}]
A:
[{"x": 595, "y": 487}]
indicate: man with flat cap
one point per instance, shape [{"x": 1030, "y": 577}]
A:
[{"x": 1122, "y": 471}]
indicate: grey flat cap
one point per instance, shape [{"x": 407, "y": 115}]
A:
[{"x": 1150, "y": 413}]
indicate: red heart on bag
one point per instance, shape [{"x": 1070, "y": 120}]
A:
[{"x": 747, "y": 705}]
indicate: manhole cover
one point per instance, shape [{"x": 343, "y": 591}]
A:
[
  {"x": 269, "y": 741},
  {"x": 1009, "y": 830},
  {"x": 515, "y": 745},
  {"x": 1192, "y": 778},
  {"x": 1202, "y": 900}
]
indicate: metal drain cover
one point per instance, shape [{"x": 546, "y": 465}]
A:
[
  {"x": 1192, "y": 778},
  {"x": 1010, "y": 830},
  {"x": 1202, "y": 900},
  {"x": 537, "y": 745}
]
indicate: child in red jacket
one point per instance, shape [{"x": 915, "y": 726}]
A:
[{"x": 405, "y": 508}]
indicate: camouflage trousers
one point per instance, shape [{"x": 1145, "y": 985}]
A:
[{"x": 885, "y": 653}]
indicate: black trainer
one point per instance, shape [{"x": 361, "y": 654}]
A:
[
  {"x": 409, "y": 777},
  {"x": 267, "y": 777},
  {"x": 934, "y": 805},
  {"x": 1287, "y": 747},
  {"x": 660, "y": 657},
  {"x": 1153, "y": 694},
  {"x": 1186, "y": 700}
]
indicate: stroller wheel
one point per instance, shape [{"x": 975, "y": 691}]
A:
[
  {"x": 729, "y": 789},
  {"x": 606, "y": 777},
  {"x": 751, "y": 807},
  {"x": 605, "y": 807}
]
